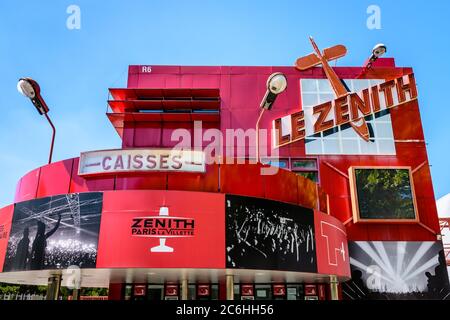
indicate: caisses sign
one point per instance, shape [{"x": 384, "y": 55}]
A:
[{"x": 141, "y": 160}]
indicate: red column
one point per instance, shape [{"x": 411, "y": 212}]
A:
[
  {"x": 222, "y": 290},
  {"x": 116, "y": 291}
]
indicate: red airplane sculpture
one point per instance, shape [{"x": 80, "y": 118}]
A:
[{"x": 329, "y": 54}]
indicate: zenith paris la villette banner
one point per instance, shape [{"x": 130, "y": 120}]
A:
[
  {"x": 173, "y": 229},
  {"x": 169, "y": 229}
]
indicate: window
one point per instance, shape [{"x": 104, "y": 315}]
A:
[
  {"x": 306, "y": 168},
  {"x": 128, "y": 291},
  {"x": 263, "y": 291},
  {"x": 380, "y": 194},
  {"x": 280, "y": 163},
  {"x": 237, "y": 292}
]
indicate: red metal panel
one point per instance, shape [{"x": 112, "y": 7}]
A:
[
  {"x": 423, "y": 186},
  {"x": 151, "y": 80},
  {"x": 79, "y": 184},
  {"x": 411, "y": 154},
  {"x": 242, "y": 180},
  {"x": 17, "y": 193},
  {"x": 307, "y": 192},
  {"x": 28, "y": 186},
  {"x": 172, "y": 81},
  {"x": 382, "y": 232},
  {"x": 128, "y": 137},
  {"x": 6, "y": 215},
  {"x": 384, "y": 63},
  {"x": 206, "y": 81},
  {"x": 133, "y": 79},
  {"x": 154, "y": 180},
  {"x": 200, "y": 70},
  {"x": 282, "y": 186},
  {"x": 331, "y": 245},
  {"x": 245, "y": 92},
  {"x": 241, "y": 89},
  {"x": 186, "y": 81},
  {"x": 356, "y": 232},
  {"x": 169, "y": 128},
  {"x": 176, "y": 117},
  {"x": 323, "y": 199},
  {"x": 340, "y": 207},
  {"x": 414, "y": 233},
  {"x": 427, "y": 212},
  {"x": 55, "y": 178},
  {"x": 116, "y": 291},
  {"x": 407, "y": 114},
  {"x": 149, "y": 136},
  {"x": 208, "y": 181},
  {"x": 290, "y": 99},
  {"x": 203, "y": 249},
  {"x": 245, "y": 118},
  {"x": 331, "y": 177}
]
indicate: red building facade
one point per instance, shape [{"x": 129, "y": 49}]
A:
[{"x": 337, "y": 208}]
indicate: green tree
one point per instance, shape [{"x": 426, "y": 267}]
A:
[{"x": 384, "y": 194}]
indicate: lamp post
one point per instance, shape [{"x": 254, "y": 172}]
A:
[
  {"x": 30, "y": 89},
  {"x": 377, "y": 51},
  {"x": 276, "y": 84}
]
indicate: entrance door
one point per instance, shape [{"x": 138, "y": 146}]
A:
[
  {"x": 295, "y": 292},
  {"x": 155, "y": 292},
  {"x": 263, "y": 292}
]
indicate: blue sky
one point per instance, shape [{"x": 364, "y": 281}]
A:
[{"x": 76, "y": 67}]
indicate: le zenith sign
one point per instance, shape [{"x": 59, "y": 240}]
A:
[{"x": 348, "y": 109}]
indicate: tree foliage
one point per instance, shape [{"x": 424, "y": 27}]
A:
[{"x": 384, "y": 194}]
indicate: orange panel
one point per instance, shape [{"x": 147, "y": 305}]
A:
[
  {"x": 323, "y": 200},
  {"x": 307, "y": 192},
  {"x": 283, "y": 186},
  {"x": 208, "y": 181},
  {"x": 242, "y": 180}
]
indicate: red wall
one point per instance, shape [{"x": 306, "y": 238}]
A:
[
  {"x": 6, "y": 215},
  {"x": 242, "y": 179},
  {"x": 117, "y": 248},
  {"x": 241, "y": 89}
]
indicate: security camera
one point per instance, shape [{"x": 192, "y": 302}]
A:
[{"x": 276, "y": 84}]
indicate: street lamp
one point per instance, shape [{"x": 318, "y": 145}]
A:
[
  {"x": 276, "y": 84},
  {"x": 378, "y": 51},
  {"x": 30, "y": 89}
]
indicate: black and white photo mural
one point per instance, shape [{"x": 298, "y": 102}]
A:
[
  {"x": 55, "y": 232},
  {"x": 391, "y": 270},
  {"x": 266, "y": 234}
]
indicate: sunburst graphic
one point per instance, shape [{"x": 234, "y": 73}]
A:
[{"x": 397, "y": 268}]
